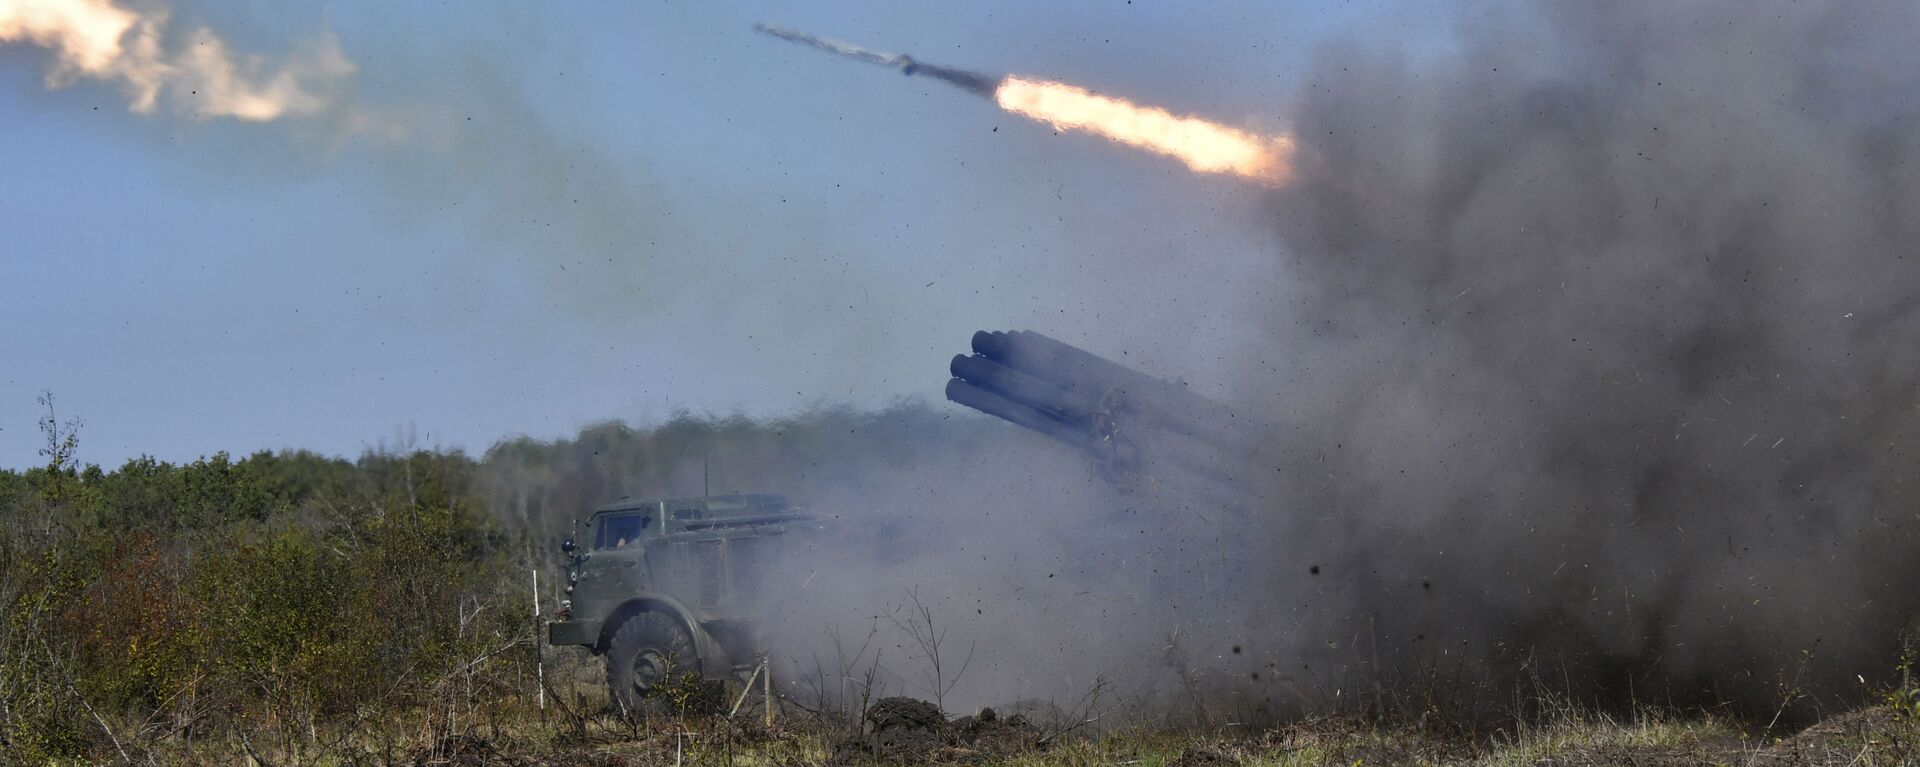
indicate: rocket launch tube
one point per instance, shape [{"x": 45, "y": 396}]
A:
[
  {"x": 1077, "y": 418},
  {"x": 1145, "y": 432},
  {"x": 1029, "y": 350},
  {"x": 1185, "y": 482},
  {"x": 1063, "y": 403},
  {"x": 992, "y": 404},
  {"x": 1104, "y": 381}
]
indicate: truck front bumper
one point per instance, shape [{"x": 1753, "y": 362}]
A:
[{"x": 573, "y": 633}]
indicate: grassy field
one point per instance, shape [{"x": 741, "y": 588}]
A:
[
  {"x": 1861, "y": 738},
  {"x": 295, "y": 609},
  {"x": 564, "y": 734},
  {"x": 1867, "y": 737}
]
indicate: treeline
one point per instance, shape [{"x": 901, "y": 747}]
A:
[{"x": 291, "y": 597}]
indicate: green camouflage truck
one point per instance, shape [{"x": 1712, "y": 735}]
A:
[
  {"x": 672, "y": 583},
  {"x": 665, "y": 586}
]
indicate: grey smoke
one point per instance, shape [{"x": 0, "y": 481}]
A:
[
  {"x": 1598, "y": 369},
  {"x": 1606, "y": 347},
  {"x": 1597, "y": 363},
  {"x": 1600, "y": 354}
]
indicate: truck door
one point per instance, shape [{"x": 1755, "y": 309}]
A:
[{"x": 619, "y": 552}]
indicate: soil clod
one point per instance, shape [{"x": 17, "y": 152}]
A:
[{"x": 907, "y": 731}]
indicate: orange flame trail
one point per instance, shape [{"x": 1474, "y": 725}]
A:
[{"x": 1206, "y": 147}]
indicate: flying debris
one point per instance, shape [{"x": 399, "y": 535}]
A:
[
  {"x": 973, "y": 82},
  {"x": 1205, "y": 146}
]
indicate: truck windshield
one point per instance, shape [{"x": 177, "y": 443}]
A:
[{"x": 619, "y": 532}]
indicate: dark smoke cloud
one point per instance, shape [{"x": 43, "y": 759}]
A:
[
  {"x": 1598, "y": 366},
  {"x": 1598, "y": 369},
  {"x": 1605, "y": 349},
  {"x": 1600, "y": 357}
]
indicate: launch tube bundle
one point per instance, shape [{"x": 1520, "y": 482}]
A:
[{"x": 1145, "y": 433}]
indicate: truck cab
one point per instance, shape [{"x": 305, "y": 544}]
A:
[{"x": 668, "y": 586}]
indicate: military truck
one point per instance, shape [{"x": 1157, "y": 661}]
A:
[{"x": 666, "y": 586}]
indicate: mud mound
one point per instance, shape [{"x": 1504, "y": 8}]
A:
[
  {"x": 988, "y": 733},
  {"x": 905, "y": 714},
  {"x": 1200, "y": 756},
  {"x": 908, "y": 731}
]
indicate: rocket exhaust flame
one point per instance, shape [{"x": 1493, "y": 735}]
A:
[
  {"x": 1205, "y": 147},
  {"x": 100, "y": 40}
]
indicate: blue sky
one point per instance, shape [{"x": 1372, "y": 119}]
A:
[{"x": 764, "y": 228}]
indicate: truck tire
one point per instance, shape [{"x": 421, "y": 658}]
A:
[{"x": 640, "y": 656}]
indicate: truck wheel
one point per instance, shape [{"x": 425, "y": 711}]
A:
[{"x": 643, "y": 652}]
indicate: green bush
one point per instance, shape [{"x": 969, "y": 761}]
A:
[{"x": 288, "y": 594}]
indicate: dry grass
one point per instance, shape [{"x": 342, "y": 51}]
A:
[
  {"x": 1863, "y": 738},
  {"x": 578, "y": 727}
]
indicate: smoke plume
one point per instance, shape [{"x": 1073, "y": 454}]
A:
[
  {"x": 197, "y": 75},
  {"x": 1598, "y": 375},
  {"x": 1598, "y": 364},
  {"x": 1605, "y": 349}
]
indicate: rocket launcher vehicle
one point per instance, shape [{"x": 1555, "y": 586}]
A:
[{"x": 1144, "y": 433}]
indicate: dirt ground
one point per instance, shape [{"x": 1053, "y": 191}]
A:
[
  {"x": 1869, "y": 736},
  {"x": 904, "y": 731}
]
